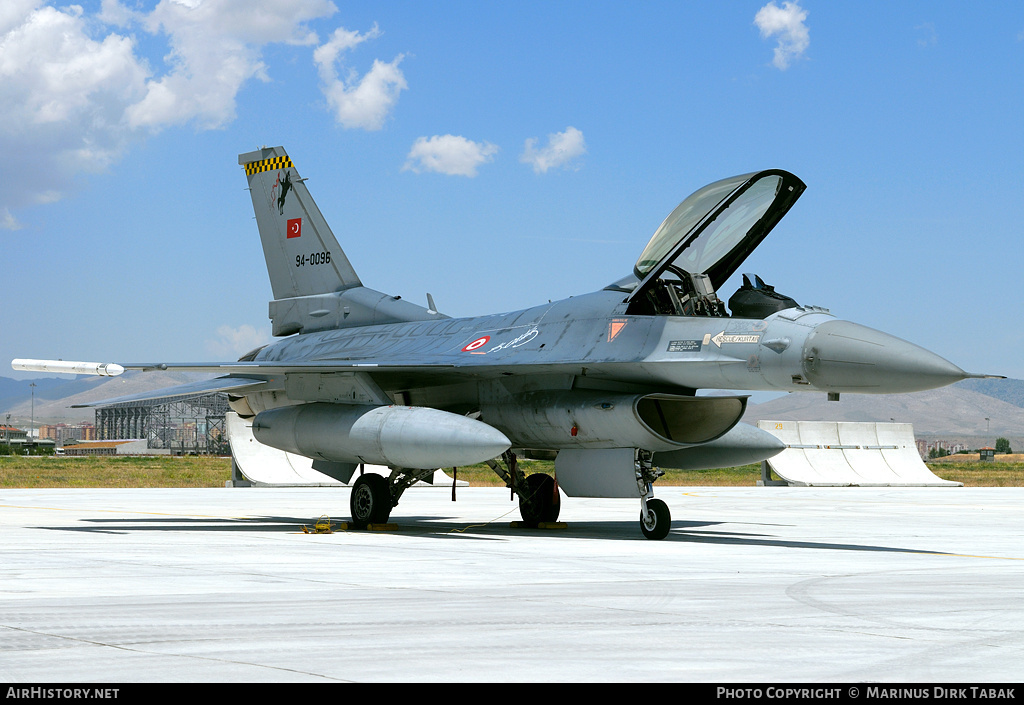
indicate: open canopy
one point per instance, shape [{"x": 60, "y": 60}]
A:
[{"x": 718, "y": 226}]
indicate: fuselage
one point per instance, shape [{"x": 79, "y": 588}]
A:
[{"x": 590, "y": 342}]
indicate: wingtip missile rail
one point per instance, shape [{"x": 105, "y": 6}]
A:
[{"x": 103, "y": 369}]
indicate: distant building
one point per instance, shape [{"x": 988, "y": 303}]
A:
[
  {"x": 179, "y": 424},
  {"x": 25, "y": 444},
  {"x": 120, "y": 447},
  {"x": 986, "y": 453},
  {"x": 10, "y": 433},
  {"x": 62, "y": 433},
  {"x": 938, "y": 449}
]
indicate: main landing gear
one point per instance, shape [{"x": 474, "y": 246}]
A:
[
  {"x": 370, "y": 501},
  {"x": 374, "y": 496},
  {"x": 539, "y": 500}
]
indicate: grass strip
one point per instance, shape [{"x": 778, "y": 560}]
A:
[{"x": 31, "y": 472}]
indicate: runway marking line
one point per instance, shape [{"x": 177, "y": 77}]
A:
[{"x": 113, "y": 511}]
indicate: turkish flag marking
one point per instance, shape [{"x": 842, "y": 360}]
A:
[
  {"x": 295, "y": 227},
  {"x": 478, "y": 343}
]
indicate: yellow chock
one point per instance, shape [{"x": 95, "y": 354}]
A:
[
  {"x": 538, "y": 525},
  {"x": 346, "y": 526},
  {"x": 382, "y": 527}
]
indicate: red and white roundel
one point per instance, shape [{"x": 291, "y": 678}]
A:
[{"x": 476, "y": 344}]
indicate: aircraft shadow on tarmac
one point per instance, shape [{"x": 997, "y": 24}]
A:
[{"x": 500, "y": 529}]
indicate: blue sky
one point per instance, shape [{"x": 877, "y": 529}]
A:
[{"x": 501, "y": 155}]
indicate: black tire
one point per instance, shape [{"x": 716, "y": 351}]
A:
[
  {"x": 658, "y": 520},
  {"x": 541, "y": 502},
  {"x": 370, "y": 501}
]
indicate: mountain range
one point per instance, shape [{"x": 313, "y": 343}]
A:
[
  {"x": 963, "y": 410},
  {"x": 54, "y": 396}
]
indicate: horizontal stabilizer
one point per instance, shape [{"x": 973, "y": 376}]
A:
[{"x": 207, "y": 386}]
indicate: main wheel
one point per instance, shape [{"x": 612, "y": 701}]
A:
[
  {"x": 541, "y": 501},
  {"x": 657, "y": 521},
  {"x": 370, "y": 501}
]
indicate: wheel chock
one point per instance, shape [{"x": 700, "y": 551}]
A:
[
  {"x": 538, "y": 525},
  {"x": 348, "y": 526}
]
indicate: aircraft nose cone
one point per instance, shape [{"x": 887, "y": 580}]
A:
[{"x": 841, "y": 356}]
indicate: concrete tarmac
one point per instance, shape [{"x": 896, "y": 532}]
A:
[{"x": 764, "y": 585}]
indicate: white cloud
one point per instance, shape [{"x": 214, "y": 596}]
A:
[
  {"x": 561, "y": 149},
  {"x": 235, "y": 342},
  {"x": 787, "y": 23},
  {"x": 215, "y": 48},
  {"x": 7, "y": 221},
  {"x": 449, "y": 154},
  {"x": 62, "y": 100},
  {"x": 358, "y": 102},
  {"x": 14, "y": 12},
  {"x": 927, "y": 36},
  {"x": 76, "y": 89}
]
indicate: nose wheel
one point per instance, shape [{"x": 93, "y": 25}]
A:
[{"x": 655, "y": 519}]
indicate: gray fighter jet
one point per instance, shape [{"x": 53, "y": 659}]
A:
[{"x": 604, "y": 383}]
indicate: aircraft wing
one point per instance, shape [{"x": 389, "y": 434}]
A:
[
  {"x": 207, "y": 386},
  {"x": 242, "y": 377},
  {"x": 279, "y": 368}
]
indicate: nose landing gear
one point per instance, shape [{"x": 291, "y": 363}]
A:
[{"x": 655, "y": 517}]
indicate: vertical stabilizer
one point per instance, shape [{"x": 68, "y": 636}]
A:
[{"x": 303, "y": 256}]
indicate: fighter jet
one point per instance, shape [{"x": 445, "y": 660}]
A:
[{"x": 605, "y": 383}]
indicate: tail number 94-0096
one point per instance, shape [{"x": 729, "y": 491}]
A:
[{"x": 313, "y": 258}]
